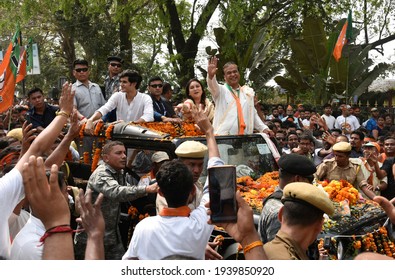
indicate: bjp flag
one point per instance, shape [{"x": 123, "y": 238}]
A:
[
  {"x": 25, "y": 62},
  {"x": 344, "y": 37},
  {"x": 8, "y": 72}
]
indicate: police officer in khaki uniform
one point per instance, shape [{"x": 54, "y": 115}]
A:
[
  {"x": 341, "y": 168},
  {"x": 192, "y": 154},
  {"x": 301, "y": 220}
]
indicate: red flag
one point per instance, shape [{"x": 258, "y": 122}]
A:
[
  {"x": 8, "y": 71},
  {"x": 344, "y": 37}
]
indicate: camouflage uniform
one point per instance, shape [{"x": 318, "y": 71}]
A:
[
  {"x": 268, "y": 221},
  {"x": 111, "y": 183}
]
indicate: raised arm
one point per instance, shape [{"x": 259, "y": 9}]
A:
[
  {"x": 92, "y": 222},
  {"x": 58, "y": 155},
  {"x": 48, "y": 204},
  {"x": 212, "y": 83},
  {"x": 48, "y": 136},
  {"x": 205, "y": 125}
]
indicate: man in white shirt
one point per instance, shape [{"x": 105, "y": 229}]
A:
[
  {"x": 327, "y": 116},
  {"x": 131, "y": 105},
  {"x": 11, "y": 185},
  {"x": 346, "y": 122},
  {"x": 177, "y": 230},
  {"x": 235, "y": 112}
]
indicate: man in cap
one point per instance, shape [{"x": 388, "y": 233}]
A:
[
  {"x": 192, "y": 154},
  {"x": 157, "y": 159},
  {"x": 293, "y": 168},
  {"x": 111, "y": 82},
  {"x": 341, "y": 168},
  {"x": 371, "y": 168},
  {"x": 301, "y": 220},
  {"x": 371, "y": 124},
  {"x": 346, "y": 122}
]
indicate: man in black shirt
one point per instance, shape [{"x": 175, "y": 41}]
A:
[{"x": 40, "y": 113}]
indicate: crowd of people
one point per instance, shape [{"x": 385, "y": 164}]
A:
[{"x": 46, "y": 217}]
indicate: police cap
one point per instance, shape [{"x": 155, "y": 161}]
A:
[
  {"x": 307, "y": 193},
  {"x": 191, "y": 149},
  {"x": 297, "y": 165},
  {"x": 342, "y": 147}
]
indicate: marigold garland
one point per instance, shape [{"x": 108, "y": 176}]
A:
[
  {"x": 96, "y": 158},
  {"x": 82, "y": 130},
  {"x": 133, "y": 212},
  {"x": 174, "y": 130},
  {"x": 109, "y": 130},
  {"x": 254, "y": 192},
  {"x": 342, "y": 190},
  {"x": 86, "y": 158},
  {"x": 99, "y": 125}
]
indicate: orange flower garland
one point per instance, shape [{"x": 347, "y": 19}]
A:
[
  {"x": 99, "y": 125},
  {"x": 96, "y": 158},
  {"x": 174, "y": 130},
  {"x": 109, "y": 130},
  {"x": 133, "y": 212},
  {"x": 254, "y": 192},
  {"x": 86, "y": 157},
  {"x": 82, "y": 130},
  {"x": 342, "y": 190}
]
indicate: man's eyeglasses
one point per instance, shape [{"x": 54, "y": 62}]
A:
[
  {"x": 157, "y": 86},
  {"x": 79, "y": 70},
  {"x": 116, "y": 65}
]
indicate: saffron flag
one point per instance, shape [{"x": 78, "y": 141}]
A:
[
  {"x": 344, "y": 37},
  {"x": 25, "y": 62},
  {"x": 8, "y": 71}
]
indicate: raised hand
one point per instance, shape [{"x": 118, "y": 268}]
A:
[
  {"x": 75, "y": 125},
  {"x": 91, "y": 217},
  {"x": 212, "y": 67},
  {"x": 66, "y": 101},
  {"x": 201, "y": 119},
  {"x": 46, "y": 200},
  {"x": 28, "y": 136}
]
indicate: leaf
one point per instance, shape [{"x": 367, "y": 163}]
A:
[{"x": 373, "y": 75}]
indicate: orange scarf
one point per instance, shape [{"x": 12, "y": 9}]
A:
[
  {"x": 240, "y": 115},
  {"x": 182, "y": 211}
]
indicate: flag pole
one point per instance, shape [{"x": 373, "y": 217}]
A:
[{"x": 23, "y": 81}]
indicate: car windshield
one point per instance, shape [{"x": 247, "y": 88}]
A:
[{"x": 251, "y": 158}]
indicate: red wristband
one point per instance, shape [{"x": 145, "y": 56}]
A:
[{"x": 57, "y": 229}]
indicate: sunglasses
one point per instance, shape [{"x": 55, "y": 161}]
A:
[
  {"x": 116, "y": 65},
  {"x": 157, "y": 86},
  {"x": 79, "y": 70}
]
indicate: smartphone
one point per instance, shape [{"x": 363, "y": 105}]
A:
[{"x": 222, "y": 190}]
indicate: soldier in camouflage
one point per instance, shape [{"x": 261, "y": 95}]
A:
[
  {"x": 108, "y": 179},
  {"x": 293, "y": 168}
]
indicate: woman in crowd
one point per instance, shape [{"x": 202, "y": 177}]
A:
[{"x": 196, "y": 96}]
